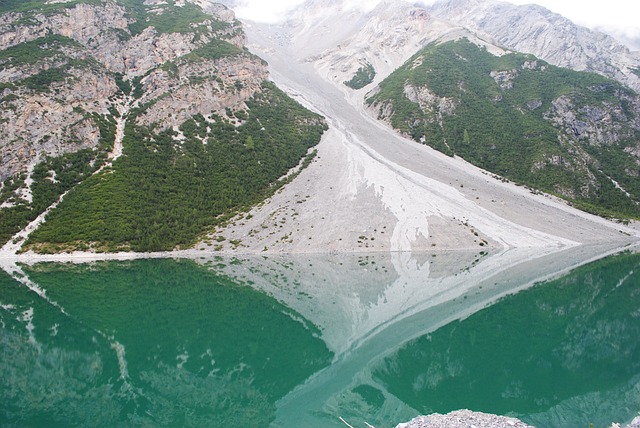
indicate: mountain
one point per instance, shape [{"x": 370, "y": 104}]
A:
[
  {"x": 570, "y": 133},
  {"x": 382, "y": 38},
  {"x": 584, "y": 146},
  {"x": 339, "y": 37},
  {"x": 535, "y": 30},
  {"x": 370, "y": 188},
  {"x": 153, "y": 115},
  {"x": 147, "y": 126}
]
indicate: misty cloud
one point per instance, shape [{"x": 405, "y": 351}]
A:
[
  {"x": 275, "y": 11},
  {"x": 617, "y": 17}
]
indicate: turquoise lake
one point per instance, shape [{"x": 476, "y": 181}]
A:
[{"x": 552, "y": 338}]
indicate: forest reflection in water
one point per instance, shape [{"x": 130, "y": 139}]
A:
[{"x": 550, "y": 337}]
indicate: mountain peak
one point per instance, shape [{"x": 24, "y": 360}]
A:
[{"x": 536, "y": 30}]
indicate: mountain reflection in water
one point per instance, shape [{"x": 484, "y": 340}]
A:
[{"x": 304, "y": 340}]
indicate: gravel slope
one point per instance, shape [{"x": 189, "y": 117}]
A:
[{"x": 370, "y": 189}]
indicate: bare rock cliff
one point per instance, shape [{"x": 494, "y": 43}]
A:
[
  {"x": 547, "y": 35},
  {"x": 64, "y": 98}
]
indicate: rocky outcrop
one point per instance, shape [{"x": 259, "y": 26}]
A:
[
  {"x": 504, "y": 79},
  {"x": 201, "y": 87},
  {"x": 604, "y": 124},
  {"x": 83, "y": 22},
  {"x": 428, "y": 101},
  {"x": 547, "y": 35},
  {"x": 464, "y": 419},
  {"x": 49, "y": 105},
  {"x": 36, "y": 123},
  {"x": 384, "y": 37},
  {"x": 104, "y": 31}
]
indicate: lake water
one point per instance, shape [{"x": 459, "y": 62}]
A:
[{"x": 300, "y": 341}]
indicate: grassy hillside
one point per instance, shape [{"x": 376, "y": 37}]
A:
[{"x": 564, "y": 132}]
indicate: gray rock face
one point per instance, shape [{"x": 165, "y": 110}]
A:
[
  {"x": 104, "y": 31},
  {"x": 469, "y": 419},
  {"x": 547, "y": 35},
  {"x": 194, "y": 89},
  {"x": 34, "y": 123},
  {"x": 340, "y": 36},
  {"x": 88, "y": 46},
  {"x": 599, "y": 125},
  {"x": 82, "y": 23}
]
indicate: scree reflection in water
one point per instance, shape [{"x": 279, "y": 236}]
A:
[{"x": 179, "y": 343}]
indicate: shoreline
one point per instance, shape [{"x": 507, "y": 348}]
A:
[{"x": 30, "y": 258}]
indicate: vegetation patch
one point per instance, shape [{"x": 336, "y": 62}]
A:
[
  {"x": 31, "y": 52},
  {"x": 498, "y": 113},
  {"x": 161, "y": 194},
  {"x": 363, "y": 77},
  {"x": 38, "y": 6},
  {"x": 215, "y": 49},
  {"x": 168, "y": 17},
  {"x": 51, "y": 178}
]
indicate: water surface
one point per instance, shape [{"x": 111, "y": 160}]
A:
[{"x": 550, "y": 337}]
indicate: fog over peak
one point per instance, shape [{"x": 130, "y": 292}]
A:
[
  {"x": 616, "y": 17},
  {"x": 273, "y": 12}
]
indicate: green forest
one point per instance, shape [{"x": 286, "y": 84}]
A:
[
  {"x": 507, "y": 129},
  {"x": 165, "y": 193},
  {"x": 364, "y": 75},
  {"x": 50, "y": 179},
  {"x": 169, "y": 188}
]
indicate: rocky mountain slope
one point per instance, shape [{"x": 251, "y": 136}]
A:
[
  {"x": 570, "y": 133},
  {"x": 63, "y": 60},
  {"x": 589, "y": 151},
  {"x": 168, "y": 84},
  {"x": 340, "y": 40},
  {"x": 371, "y": 189},
  {"x": 151, "y": 122},
  {"x": 535, "y": 30}
]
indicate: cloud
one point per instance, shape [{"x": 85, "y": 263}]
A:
[
  {"x": 630, "y": 36},
  {"x": 620, "y": 14},
  {"x": 262, "y": 11},
  {"x": 366, "y": 5},
  {"x": 616, "y": 17},
  {"x": 275, "y": 10}
]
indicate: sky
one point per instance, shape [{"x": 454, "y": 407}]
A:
[{"x": 620, "y": 18}]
